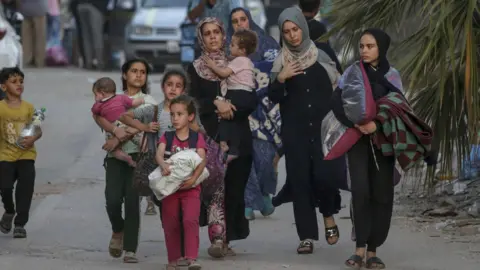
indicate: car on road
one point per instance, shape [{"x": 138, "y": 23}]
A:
[
  {"x": 154, "y": 32},
  {"x": 11, "y": 51}
]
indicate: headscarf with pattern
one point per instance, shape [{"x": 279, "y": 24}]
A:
[{"x": 218, "y": 56}]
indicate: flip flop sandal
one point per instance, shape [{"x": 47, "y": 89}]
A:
[
  {"x": 374, "y": 263},
  {"x": 305, "y": 247},
  {"x": 115, "y": 247},
  {"x": 354, "y": 262},
  {"x": 331, "y": 233}
]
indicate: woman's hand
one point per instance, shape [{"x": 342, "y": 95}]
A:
[
  {"x": 153, "y": 127},
  {"x": 225, "y": 109},
  {"x": 368, "y": 128},
  {"x": 111, "y": 144},
  {"x": 120, "y": 133},
  {"x": 288, "y": 71}
]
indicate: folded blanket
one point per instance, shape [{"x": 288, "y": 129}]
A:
[{"x": 402, "y": 133}]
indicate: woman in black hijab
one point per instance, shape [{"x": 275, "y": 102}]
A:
[{"x": 371, "y": 173}]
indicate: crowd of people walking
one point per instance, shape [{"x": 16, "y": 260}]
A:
[{"x": 297, "y": 94}]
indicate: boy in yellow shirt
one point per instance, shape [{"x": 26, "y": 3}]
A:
[{"x": 17, "y": 165}]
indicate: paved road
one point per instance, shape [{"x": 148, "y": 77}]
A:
[{"x": 69, "y": 228}]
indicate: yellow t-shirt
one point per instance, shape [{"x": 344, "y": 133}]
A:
[{"x": 12, "y": 121}]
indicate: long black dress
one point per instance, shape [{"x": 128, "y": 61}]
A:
[
  {"x": 238, "y": 171},
  {"x": 304, "y": 102}
]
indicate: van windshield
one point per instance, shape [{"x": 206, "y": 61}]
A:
[{"x": 164, "y": 3}]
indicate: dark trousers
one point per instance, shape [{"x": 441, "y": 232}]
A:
[
  {"x": 372, "y": 193},
  {"x": 119, "y": 190},
  {"x": 21, "y": 172},
  {"x": 91, "y": 20},
  {"x": 309, "y": 190},
  {"x": 236, "y": 179}
]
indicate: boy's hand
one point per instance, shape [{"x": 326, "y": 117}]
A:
[
  {"x": 28, "y": 142},
  {"x": 188, "y": 183}
]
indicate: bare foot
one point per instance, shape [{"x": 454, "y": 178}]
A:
[{"x": 119, "y": 154}]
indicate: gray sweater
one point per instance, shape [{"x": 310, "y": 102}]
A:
[{"x": 33, "y": 8}]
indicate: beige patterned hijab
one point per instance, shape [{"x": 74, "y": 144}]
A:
[{"x": 219, "y": 56}]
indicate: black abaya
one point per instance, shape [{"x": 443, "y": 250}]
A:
[
  {"x": 238, "y": 171},
  {"x": 304, "y": 102}
]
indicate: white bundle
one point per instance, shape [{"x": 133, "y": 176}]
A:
[{"x": 182, "y": 166}]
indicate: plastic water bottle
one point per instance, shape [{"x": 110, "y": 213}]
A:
[{"x": 32, "y": 128}]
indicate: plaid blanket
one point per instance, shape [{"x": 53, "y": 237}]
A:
[{"x": 402, "y": 134}]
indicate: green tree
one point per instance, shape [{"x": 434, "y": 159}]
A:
[{"x": 435, "y": 46}]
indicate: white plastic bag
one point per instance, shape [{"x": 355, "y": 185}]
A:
[{"x": 182, "y": 165}]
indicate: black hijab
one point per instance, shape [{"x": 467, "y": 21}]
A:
[{"x": 376, "y": 75}]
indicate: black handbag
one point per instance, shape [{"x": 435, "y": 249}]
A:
[{"x": 146, "y": 164}]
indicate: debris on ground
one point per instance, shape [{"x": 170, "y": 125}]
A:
[{"x": 454, "y": 208}]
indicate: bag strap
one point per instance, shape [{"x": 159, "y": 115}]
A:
[
  {"x": 155, "y": 113},
  {"x": 169, "y": 135},
  {"x": 192, "y": 139}
]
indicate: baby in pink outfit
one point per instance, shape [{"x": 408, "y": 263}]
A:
[
  {"x": 111, "y": 107},
  {"x": 240, "y": 77}
]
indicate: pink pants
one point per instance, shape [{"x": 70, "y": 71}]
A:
[{"x": 187, "y": 201}]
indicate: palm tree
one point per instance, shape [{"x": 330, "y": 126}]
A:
[{"x": 435, "y": 45}]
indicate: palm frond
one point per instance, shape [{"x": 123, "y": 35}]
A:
[{"x": 435, "y": 47}]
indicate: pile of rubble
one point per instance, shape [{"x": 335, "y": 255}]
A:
[{"x": 453, "y": 205}]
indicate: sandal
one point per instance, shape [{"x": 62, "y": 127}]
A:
[
  {"x": 354, "y": 262},
  {"x": 331, "y": 233},
  {"x": 150, "y": 211},
  {"x": 374, "y": 263},
  {"x": 115, "y": 247},
  {"x": 216, "y": 250},
  {"x": 305, "y": 247}
]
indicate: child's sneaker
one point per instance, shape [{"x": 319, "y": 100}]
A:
[
  {"x": 130, "y": 257},
  {"x": 19, "y": 232},
  {"x": 194, "y": 265},
  {"x": 6, "y": 223}
]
